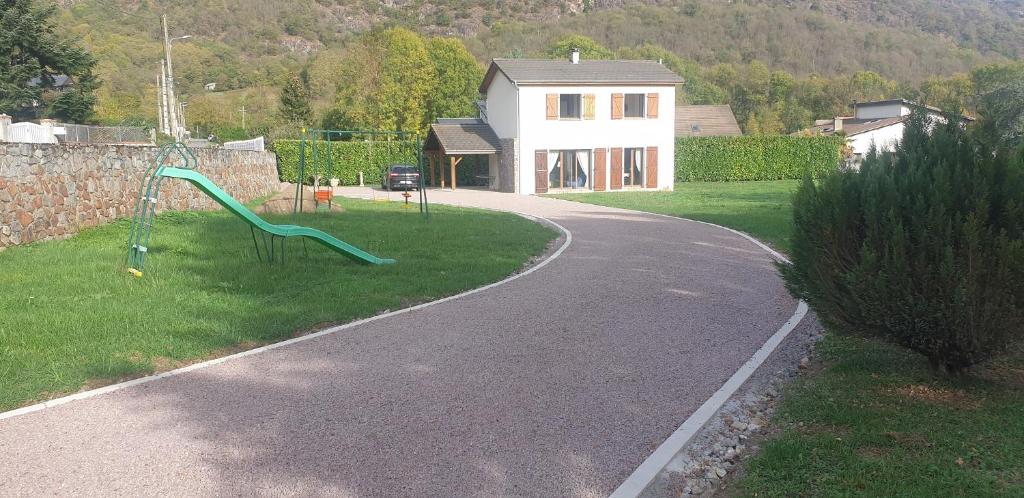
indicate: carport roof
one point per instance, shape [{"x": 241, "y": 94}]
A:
[{"x": 456, "y": 137}]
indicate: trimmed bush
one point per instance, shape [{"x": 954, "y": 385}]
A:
[
  {"x": 349, "y": 158},
  {"x": 923, "y": 247},
  {"x": 756, "y": 157}
]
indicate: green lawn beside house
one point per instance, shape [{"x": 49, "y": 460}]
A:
[
  {"x": 868, "y": 419},
  {"x": 761, "y": 209},
  {"x": 71, "y": 316}
]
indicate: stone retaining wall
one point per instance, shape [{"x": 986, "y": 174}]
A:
[{"x": 52, "y": 191}]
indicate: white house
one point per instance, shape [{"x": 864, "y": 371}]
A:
[
  {"x": 878, "y": 123},
  {"x": 568, "y": 125}
]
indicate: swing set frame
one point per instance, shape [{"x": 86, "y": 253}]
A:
[{"x": 315, "y": 170}]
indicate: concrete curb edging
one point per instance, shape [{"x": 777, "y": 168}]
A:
[
  {"x": 652, "y": 466},
  {"x": 331, "y": 330}
]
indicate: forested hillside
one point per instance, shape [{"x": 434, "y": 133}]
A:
[{"x": 250, "y": 48}]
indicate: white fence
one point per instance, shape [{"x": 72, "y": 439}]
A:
[
  {"x": 31, "y": 133},
  {"x": 254, "y": 144},
  {"x": 50, "y": 132}
]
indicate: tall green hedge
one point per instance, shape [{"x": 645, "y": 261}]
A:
[
  {"x": 349, "y": 159},
  {"x": 755, "y": 157}
]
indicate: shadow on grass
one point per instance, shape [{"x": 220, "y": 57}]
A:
[
  {"x": 71, "y": 314},
  {"x": 558, "y": 386}
]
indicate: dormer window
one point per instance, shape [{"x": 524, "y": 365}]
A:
[{"x": 570, "y": 106}]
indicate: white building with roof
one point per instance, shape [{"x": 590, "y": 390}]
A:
[
  {"x": 877, "y": 124},
  {"x": 568, "y": 125}
]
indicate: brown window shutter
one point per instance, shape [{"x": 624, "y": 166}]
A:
[
  {"x": 651, "y": 167},
  {"x": 616, "y": 174},
  {"x": 617, "y": 105},
  {"x": 552, "y": 107},
  {"x": 600, "y": 168},
  {"x": 589, "y": 105},
  {"x": 540, "y": 164},
  {"x": 652, "y": 105}
]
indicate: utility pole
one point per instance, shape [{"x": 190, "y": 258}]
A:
[
  {"x": 181, "y": 114},
  {"x": 172, "y": 116},
  {"x": 243, "y": 116},
  {"x": 165, "y": 128},
  {"x": 159, "y": 101}
]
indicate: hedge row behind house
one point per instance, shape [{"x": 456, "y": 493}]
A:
[
  {"x": 349, "y": 159},
  {"x": 756, "y": 157}
]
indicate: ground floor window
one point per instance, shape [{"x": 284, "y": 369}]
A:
[
  {"x": 569, "y": 169},
  {"x": 633, "y": 167}
]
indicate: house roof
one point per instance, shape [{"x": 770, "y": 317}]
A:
[
  {"x": 463, "y": 136},
  {"x": 904, "y": 102},
  {"x": 854, "y": 126},
  {"x": 59, "y": 80},
  {"x": 706, "y": 120},
  {"x": 586, "y": 72},
  {"x": 894, "y": 101}
]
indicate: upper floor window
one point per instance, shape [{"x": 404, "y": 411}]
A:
[
  {"x": 570, "y": 106},
  {"x": 634, "y": 105}
]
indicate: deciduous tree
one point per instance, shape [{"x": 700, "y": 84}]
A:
[
  {"x": 1000, "y": 101},
  {"x": 458, "y": 78},
  {"x": 589, "y": 49},
  {"x": 384, "y": 83}
]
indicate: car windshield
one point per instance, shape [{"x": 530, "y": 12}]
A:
[{"x": 403, "y": 169}]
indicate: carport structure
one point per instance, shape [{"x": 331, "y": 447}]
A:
[{"x": 455, "y": 138}]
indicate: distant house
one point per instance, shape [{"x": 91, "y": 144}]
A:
[
  {"x": 706, "y": 121},
  {"x": 878, "y": 123},
  {"x": 60, "y": 82},
  {"x": 559, "y": 125}
]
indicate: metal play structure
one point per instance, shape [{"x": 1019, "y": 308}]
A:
[
  {"x": 177, "y": 161},
  {"x": 317, "y": 161}
]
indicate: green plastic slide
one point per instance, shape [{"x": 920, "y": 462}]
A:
[{"x": 232, "y": 204}]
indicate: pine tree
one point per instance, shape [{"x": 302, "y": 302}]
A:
[
  {"x": 295, "y": 102},
  {"x": 923, "y": 247},
  {"x": 32, "y": 53}
]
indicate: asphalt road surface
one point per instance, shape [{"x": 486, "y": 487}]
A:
[{"x": 558, "y": 383}]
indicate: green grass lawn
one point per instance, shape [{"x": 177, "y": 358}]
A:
[
  {"x": 873, "y": 420},
  {"x": 878, "y": 422},
  {"x": 71, "y": 315},
  {"x": 761, "y": 209}
]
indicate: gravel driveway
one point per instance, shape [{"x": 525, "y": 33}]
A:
[{"x": 558, "y": 383}]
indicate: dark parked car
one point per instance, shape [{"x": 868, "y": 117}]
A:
[{"x": 401, "y": 177}]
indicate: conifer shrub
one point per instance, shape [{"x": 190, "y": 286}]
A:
[{"x": 923, "y": 247}]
